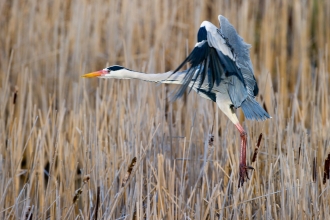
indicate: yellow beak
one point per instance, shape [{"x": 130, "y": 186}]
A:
[{"x": 93, "y": 74}]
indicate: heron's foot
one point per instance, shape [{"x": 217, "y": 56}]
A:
[{"x": 243, "y": 174}]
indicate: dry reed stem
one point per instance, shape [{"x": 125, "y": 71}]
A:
[
  {"x": 128, "y": 172},
  {"x": 256, "y": 149},
  {"x": 97, "y": 203},
  {"x": 51, "y": 119}
]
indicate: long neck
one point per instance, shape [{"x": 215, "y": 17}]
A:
[{"x": 151, "y": 77}]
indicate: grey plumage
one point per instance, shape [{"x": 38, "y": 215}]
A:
[
  {"x": 242, "y": 51},
  {"x": 220, "y": 63},
  {"x": 220, "y": 70}
]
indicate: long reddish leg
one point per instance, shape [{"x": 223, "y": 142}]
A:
[{"x": 243, "y": 169}]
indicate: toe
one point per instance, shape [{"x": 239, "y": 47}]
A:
[{"x": 243, "y": 174}]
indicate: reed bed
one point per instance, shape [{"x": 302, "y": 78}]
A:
[{"x": 72, "y": 148}]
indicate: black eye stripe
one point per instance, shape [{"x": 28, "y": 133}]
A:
[{"x": 115, "y": 68}]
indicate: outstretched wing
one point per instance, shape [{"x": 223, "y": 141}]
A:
[
  {"x": 242, "y": 54},
  {"x": 204, "y": 63},
  {"x": 221, "y": 62},
  {"x": 213, "y": 59}
]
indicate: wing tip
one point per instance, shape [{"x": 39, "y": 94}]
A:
[
  {"x": 253, "y": 111},
  {"x": 222, "y": 18}
]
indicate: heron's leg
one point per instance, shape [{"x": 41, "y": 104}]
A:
[
  {"x": 243, "y": 168},
  {"x": 224, "y": 103}
]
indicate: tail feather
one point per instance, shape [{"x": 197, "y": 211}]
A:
[{"x": 253, "y": 111}]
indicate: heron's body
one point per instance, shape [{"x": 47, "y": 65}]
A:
[{"x": 220, "y": 70}]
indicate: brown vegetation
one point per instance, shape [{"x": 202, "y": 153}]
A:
[{"x": 56, "y": 128}]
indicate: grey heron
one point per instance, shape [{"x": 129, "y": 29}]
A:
[{"x": 220, "y": 70}]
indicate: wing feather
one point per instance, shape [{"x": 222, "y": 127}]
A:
[
  {"x": 195, "y": 58},
  {"x": 220, "y": 54},
  {"x": 242, "y": 52}
]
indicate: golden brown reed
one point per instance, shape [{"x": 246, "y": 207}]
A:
[{"x": 56, "y": 127}]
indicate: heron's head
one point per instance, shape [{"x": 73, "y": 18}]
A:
[{"x": 109, "y": 72}]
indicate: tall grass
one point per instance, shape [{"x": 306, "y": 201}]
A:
[{"x": 60, "y": 133}]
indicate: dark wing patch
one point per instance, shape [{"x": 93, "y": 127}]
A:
[
  {"x": 230, "y": 67},
  {"x": 256, "y": 88},
  {"x": 210, "y": 95},
  {"x": 197, "y": 57},
  {"x": 202, "y": 34},
  {"x": 205, "y": 63}
]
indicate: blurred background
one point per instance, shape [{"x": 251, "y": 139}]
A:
[
  {"x": 51, "y": 40},
  {"x": 56, "y": 127}
]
